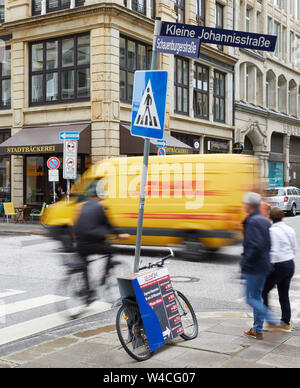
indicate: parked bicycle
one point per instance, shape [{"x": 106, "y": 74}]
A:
[
  {"x": 129, "y": 323},
  {"x": 103, "y": 282}
]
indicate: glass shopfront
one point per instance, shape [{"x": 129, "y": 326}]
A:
[
  {"x": 38, "y": 189},
  {"x": 5, "y": 181}
]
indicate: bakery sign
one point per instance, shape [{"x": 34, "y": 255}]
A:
[{"x": 30, "y": 149}]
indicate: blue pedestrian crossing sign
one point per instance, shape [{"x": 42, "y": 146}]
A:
[{"x": 149, "y": 104}]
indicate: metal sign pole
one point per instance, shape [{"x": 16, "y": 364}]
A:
[
  {"x": 68, "y": 190},
  {"x": 139, "y": 232},
  {"x": 54, "y": 199}
]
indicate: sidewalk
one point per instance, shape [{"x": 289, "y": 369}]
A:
[
  {"x": 220, "y": 344},
  {"x": 28, "y": 228}
]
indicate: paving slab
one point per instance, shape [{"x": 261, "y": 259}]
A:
[
  {"x": 280, "y": 361},
  {"x": 236, "y": 363},
  {"x": 218, "y": 343}
]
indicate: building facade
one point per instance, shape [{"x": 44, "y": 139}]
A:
[
  {"x": 267, "y": 93},
  {"x": 69, "y": 65}
]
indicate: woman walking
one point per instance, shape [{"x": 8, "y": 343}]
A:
[{"x": 283, "y": 252}]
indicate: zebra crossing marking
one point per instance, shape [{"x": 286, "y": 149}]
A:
[
  {"x": 8, "y": 292},
  {"x": 47, "y": 322},
  {"x": 29, "y": 304}
]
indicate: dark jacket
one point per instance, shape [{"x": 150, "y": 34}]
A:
[
  {"x": 257, "y": 244},
  {"x": 92, "y": 224}
]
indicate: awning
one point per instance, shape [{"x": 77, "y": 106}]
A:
[
  {"x": 45, "y": 140},
  {"x": 133, "y": 145}
]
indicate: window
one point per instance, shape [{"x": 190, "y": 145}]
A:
[
  {"x": 60, "y": 70},
  {"x": 219, "y": 96},
  {"x": 201, "y": 93},
  {"x": 283, "y": 43},
  {"x": 277, "y": 33},
  {"x": 5, "y": 86},
  {"x": 2, "y": 11},
  {"x": 53, "y": 5},
  {"x": 181, "y": 86},
  {"x": 297, "y": 52},
  {"x": 139, "y": 6},
  {"x": 258, "y": 22},
  {"x": 219, "y": 19},
  {"x": 247, "y": 83},
  {"x": 269, "y": 25},
  {"x": 278, "y": 3},
  {"x": 201, "y": 12},
  {"x": 180, "y": 10},
  {"x": 248, "y": 19},
  {"x": 133, "y": 56},
  {"x": 292, "y": 51},
  {"x": 267, "y": 94}
]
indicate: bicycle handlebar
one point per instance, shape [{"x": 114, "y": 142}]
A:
[{"x": 159, "y": 263}]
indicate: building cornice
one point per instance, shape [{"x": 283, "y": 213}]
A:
[{"x": 267, "y": 113}]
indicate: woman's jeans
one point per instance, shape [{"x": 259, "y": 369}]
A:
[
  {"x": 254, "y": 288},
  {"x": 281, "y": 277}
]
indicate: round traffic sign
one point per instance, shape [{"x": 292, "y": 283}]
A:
[
  {"x": 70, "y": 162},
  {"x": 161, "y": 151},
  {"x": 71, "y": 146},
  {"x": 53, "y": 163}
]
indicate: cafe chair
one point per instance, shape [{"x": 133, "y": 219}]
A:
[
  {"x": 9, "y": 210},
  {"x": 37, "y": 212}
]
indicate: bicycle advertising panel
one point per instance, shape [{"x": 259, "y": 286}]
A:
[{"x": 156, "y": 300}]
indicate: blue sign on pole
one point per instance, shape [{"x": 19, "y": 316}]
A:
[
  {"x": 149, "y": 104},
  {"x": 218, "y": 36},
  {"x": 69, "y": 135},
  {"x": 186, "y": 47}
]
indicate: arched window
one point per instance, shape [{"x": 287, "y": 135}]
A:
[
  {"x": 292, "y": 98},
  {"x": 271, "y": 90},
  {"x": 281, "y": 94}
]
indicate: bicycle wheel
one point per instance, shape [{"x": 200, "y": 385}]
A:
[
  {"x": 132, "y": 334},
  {"x": 72, "y": 288},
  {"x": 188, "y": 317}
]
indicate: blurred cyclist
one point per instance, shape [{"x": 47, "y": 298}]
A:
[{"x": 90, "y": 231}]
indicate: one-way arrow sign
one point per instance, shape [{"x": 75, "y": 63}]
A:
[{"x": 69, "y": 135}]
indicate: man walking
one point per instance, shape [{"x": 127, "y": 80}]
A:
[{"x": 256, "y": 264}]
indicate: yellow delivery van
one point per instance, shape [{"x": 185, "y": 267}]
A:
[{"x": 189, "y": 198}]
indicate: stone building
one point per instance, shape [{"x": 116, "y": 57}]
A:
[
  {"x": 69, "y": 65},
  {"x": 267, "y": 93}
]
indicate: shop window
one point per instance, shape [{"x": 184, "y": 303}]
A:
[
  {"x": 5, "y": 180},
  {"x": 35, "y": 179},
  {"x": 201, "y": 93},
  {"x": 133, "y": 56},
  {"x": 179, "y": 6},
  {"x": 294, "y": 145},
  {"x": 5, "y": 83},
  {"x": 182, "y": 69},
  {"x": 219, "y": 96},
  {"x": 60, "y": 70},
  {"x": 53, "y": 5}
]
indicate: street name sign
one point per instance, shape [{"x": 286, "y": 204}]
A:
[
  {"x": 186, "y": 47},
  {"x": 69, "y": 135},
  {"x": 241, "y": 39},
  {"x": 149, "y": 104},
  {"x": 70, "y": 159}
]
